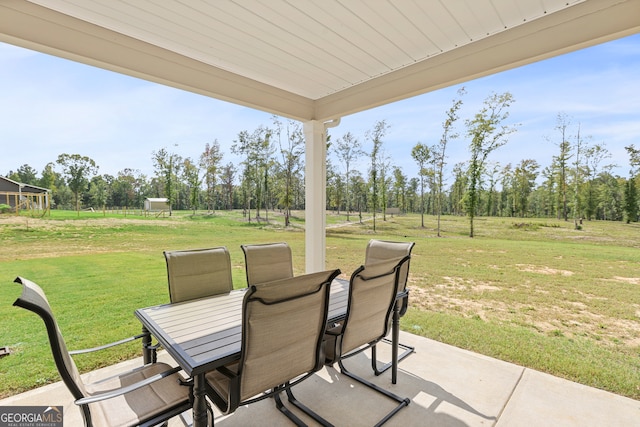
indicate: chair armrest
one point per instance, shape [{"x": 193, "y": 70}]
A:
[
  {"x": 113, "y": 344},
  {"x": 226, "y": 372},
  {"x": 404, "y": 304},
  {"x": 120, "y": 391},
  {"x": 335, "y": 330}
]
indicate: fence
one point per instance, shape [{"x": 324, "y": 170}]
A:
[{"x": 33, "y": 202}]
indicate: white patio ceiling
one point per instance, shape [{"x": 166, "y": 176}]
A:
[{"x": 312, "y": 60}]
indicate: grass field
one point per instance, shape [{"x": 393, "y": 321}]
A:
[{"x": 534, "y": 292}]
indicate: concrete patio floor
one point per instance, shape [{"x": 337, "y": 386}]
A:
[{"x": 447, "y": 386}]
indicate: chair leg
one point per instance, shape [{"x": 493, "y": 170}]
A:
[
  {"x": 402, "y": 401},
  {"x": 295, "y": 402},
  {"x": 395, "y": 343},
  {"x": 307, "y": 410},
  {"x": 378, "y": 370},
  {"x": 297, "y": 421}
]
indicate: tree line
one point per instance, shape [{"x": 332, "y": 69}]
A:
[{"x": 577, "y": 185}]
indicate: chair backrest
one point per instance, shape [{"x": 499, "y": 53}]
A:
[
  {"x": 34, "y": 299},
  {"x": 198, "y": 273},
  {"x": 372, "y": 295},
  {"x": 381, "y": 250},
  {"x": 283, "y": 327},
  {"x": 267, "y": 262}
]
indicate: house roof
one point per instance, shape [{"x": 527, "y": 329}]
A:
[
  {"x": 313, "y": 60},
  {"x": 26, "y": 188}
]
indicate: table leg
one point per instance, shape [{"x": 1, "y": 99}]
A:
[
  {"x": 146, "y": 346},
  {"x": 395, "y": 340},
  {"x": 200, "y": 417}
]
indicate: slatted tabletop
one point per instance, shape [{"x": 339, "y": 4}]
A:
[{"x": 206, "y": 333}]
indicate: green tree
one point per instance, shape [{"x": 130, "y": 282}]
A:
[
  {"x": 191, "y": 174},
  {"x": 594, "y": 156},
  {"x": 491, "y": 174},
  {"x": 210, "y": 163},
  {"x": 524, "y": 177},
  {"x": 400, "y": 188},
  {"x": 78, "y": 170},
  {"x": 256, "y": 149},
  {"x": 291, "y": 151},
  {"x": 631, "y": 201},
  {"x": 561, "y": 162},
  {"x": 456, "y": 196},
  {"x": 375, "y": 135},
  {"x": 421, "y": 154},
  {"x": 348, "y": 149},
  {"x": 359, "y": 190},
  {"x": 385, "y": 164},
  {"x": 227, "y": 179},
  {"x": 630, "y": 191},
  {"x": 167, "y": 166},
  {"x": 25, "y": 175},
  {"x": 487, "y": 134},
  {"x": 98, "y": 192},
  {"x": 439, "y": 151},
  {"x": 49, "y": 178}
]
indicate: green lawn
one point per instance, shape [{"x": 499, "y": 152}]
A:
[{"x": 534, "y": 292}]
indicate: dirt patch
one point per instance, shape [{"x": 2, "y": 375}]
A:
[
  {"x": 543, "y": 270},
  {"x": 631, "y": 280},
  {"x": 48, "y": 224},
  {"x": 455, "y": 296}
]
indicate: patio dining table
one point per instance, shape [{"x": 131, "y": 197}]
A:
[{"x": 204, "y": 334}]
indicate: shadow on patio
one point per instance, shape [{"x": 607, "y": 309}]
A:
[{"x": 447, "y": 386}]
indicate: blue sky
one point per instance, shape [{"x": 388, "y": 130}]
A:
[{"x": 51, "y": 106}]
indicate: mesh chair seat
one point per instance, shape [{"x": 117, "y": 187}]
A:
[
  {"x": 283, "y": 326},
  {"x": 381, "y": 250},
  {"x": 148, "y": 395},
  {"x": 198, "y": 273},
  {"x": 372, "y": 297},
  {"x": 267, "y": 262}
]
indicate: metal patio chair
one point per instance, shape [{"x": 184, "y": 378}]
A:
[
  {"x": 267, "y": 262},
  {"x": 381, "y": 250},
  {"x": 198, "y": 273},
  {"x": 283, "y": 327},
  {"x": 372, "y": 298},
  {"x": 146, "y": 396}
]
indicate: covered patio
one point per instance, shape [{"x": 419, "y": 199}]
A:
[
  {"x": 313, "y": 62},
  {"x": 448, "y": 387},
  {"x": 316, "y": 63}
]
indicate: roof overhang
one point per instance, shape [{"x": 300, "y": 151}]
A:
[{"x": 575, "y": 25}]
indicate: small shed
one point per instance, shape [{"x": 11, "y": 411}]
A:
[
  {"x": 156, "y": 204},
  {"x": 24, "y": 196}
]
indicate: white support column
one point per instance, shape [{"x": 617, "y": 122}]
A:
[
  {"x": 315, "y": 195},
  {"x": 315, "y": 134}
]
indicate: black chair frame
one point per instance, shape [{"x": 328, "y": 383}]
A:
[
  {"x": 339, "y": 358},
  {"x": 82, "y": 400}
]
